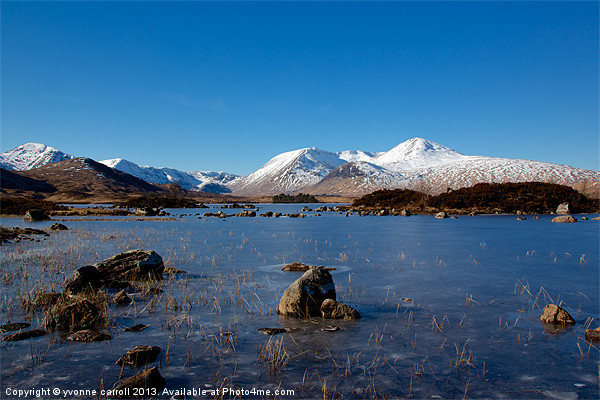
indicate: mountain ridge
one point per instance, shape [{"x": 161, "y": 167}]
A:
[{"x": 417, "y": 164}]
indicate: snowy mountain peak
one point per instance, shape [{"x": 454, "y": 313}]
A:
[
  {"x": 417, "y": 151},
  {"x": 31, "y": 155}
]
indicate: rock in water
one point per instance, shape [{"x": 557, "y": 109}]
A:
[
  {"x": 564, "y": 218},
  {"x": 88, "y": 335},
  {"x": 553, "y": 314},
  {"x": 132, "y": 265},
  {"x": 36, "y": 215},
  {"x": 441, "y": 215},
  {"x": 272, "y": 331},
  {"x": 22, "y": 335},
  {"x": 297, "y": 267},
  {"x": 147, "y": 379},
  {"x": 304, "y": 297},
  {"x": 139, "y": 355},
  {"x": 592, "y": 335},
  {"x": 563, "y": 208},
  {"x": 58, "y": 227},
  {"x": 331, "y": 309}
]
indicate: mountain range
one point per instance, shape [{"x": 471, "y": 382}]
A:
[{"x": 417, "y": 164}]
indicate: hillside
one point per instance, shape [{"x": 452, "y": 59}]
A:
[
  {"x": 527, "y": 197},
  {"x": 85, "y": 179}
]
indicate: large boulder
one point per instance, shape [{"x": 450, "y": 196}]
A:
[
  {"x": 553, "y": 314},
  {"x": 564, "y": 218},
  {"x": 563, "y": 208},
  {"x": 304, "y": 297},
  {"x": 36, "y": 215},
  {"x": 147, "y": 379},
  {"x": 331, "y": 309},
  {"x": 132, "y": 265}
]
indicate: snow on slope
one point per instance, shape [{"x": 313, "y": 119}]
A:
[
  {"x": 31, "y": 155},
  {"x": 288, "y": 172},
  {"x": 416, "y": 153},
  {"x": 195, "y": 180},
  {"x": 417, "y": 164}
]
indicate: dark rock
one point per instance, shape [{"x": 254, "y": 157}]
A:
[
  {"x": 139, "y": 356},
  {"x": 132, "y": 265},
  {"x": 564, "y": 218},
  {"x": 22, "y": 335},
  {"x": 247, "y": 213},
  {"x": 58, "y": 227},
  {"x": 14, "y": 326},
  {"x": 85, "y": 278},
  {"x": 521, "y": 218},
  {"x": 306, "y": 209},
  {"x": 304, "y": 296},
  {"x": 592, "y": 335},
  {"x": 553, "y": 314},
  {"x": 405, "y": 213},
  {"x": 272, "y": 331},
  {"x": 147, "y": 379},
  {"x": 121, "y": 298},
  {"x": 268, "y": 214},
  {"x": 135, "y": 328},
  {"x": 74, "y": 315},
  {"x": 277, "y": 215},
  {"x": 88, "y": 335},
  {"x": 563, "y": 208},
  {"x": 36, "y": 215},
  {"x": 441, "y": 215},
  {"x": 331, "y": 309}
]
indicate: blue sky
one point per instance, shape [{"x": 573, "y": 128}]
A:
[{"x": 228, "y": 85}]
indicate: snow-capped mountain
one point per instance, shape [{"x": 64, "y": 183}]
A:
[
  {"x": 31, "y": 155},
  {"x": 417, "y": 164},
  {"x": 289, "y": 172},
  {"x": 212, "y": 182}
]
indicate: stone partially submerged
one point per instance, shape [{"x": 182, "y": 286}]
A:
[
  {"x": 331, "y": 309},
  {"x": 564, "y": 218},
  {"x": 139, "y": 356},
  {"x": 132, "y": 265},
  {"x": 117, "y": 271},
  {"x": 144, "y": 381},
  {"x": 35, "y": 215},
  {"x": 304, "y": 297},
  {"x": 553, "y": 314}
]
